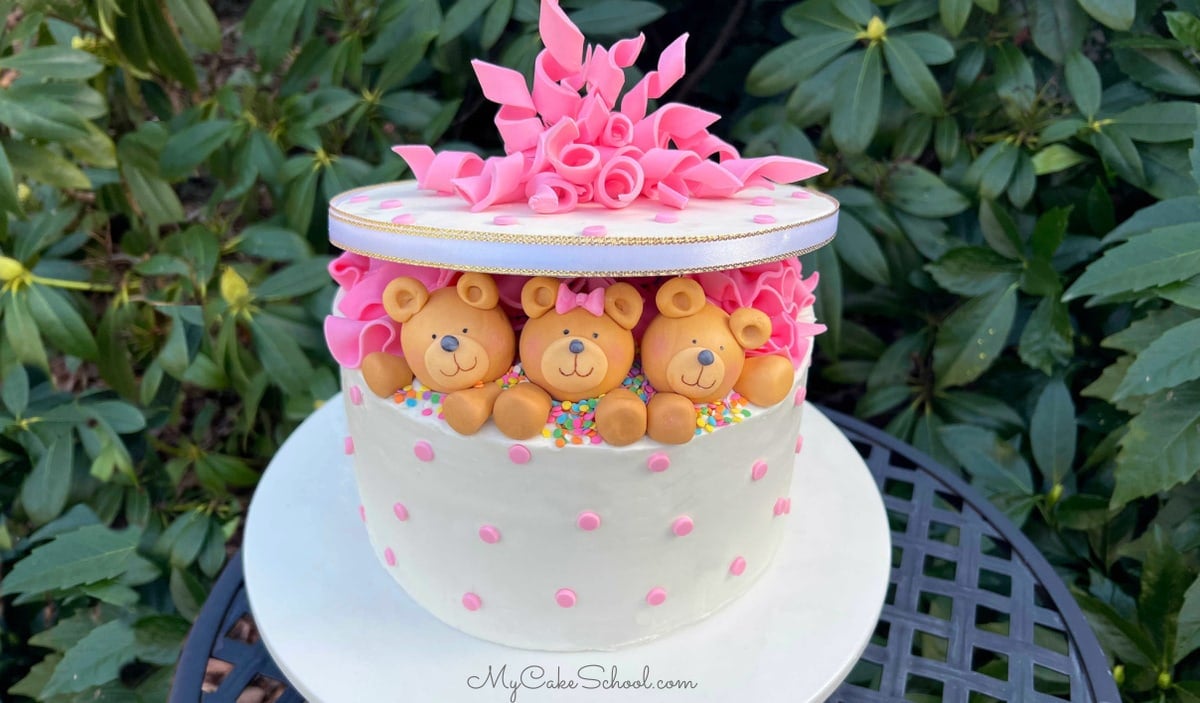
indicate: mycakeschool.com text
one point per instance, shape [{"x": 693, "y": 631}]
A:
[{"x": 513, "y": 681}]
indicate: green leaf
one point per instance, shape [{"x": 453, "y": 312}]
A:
[
  {"x": 1176, "y": 211},
  {"x": 932, "y": 49},
  {"x": 87, "y": 555},
  {"x": 1164, "y": 582},
  {"x": 273, "y": 243},
  {"x": 1162, "y": 446},
  {"x": 857, "y": 97},
  {"x": 1184, "y": 293},
  {"x": 1160, "y": 69},
  {"x": 878, "y": 401},
  {"x": 996, "y": 468},
  {"x": 946, "y": 138},
  {"x": 95, "y": 660},
  {"x": 187, "y": 593},
  {"x": 912, "y": 77},
  {"x": 993, "y": 169},
  {"x": 14, "y": 390},
  {"x": 1059, "y": 27},
  {"x": 1046, "y": 341},
  {"x": 60, "y": 323},
  {"x": 1170, "y": 360},
  {"x": 970, "y": 340},
  {"x": 151, "y": 195},
  {"x": 59, "y": 63},
  {"x": 191, "y": 146},
  {"x": 1055, "y": 158},
  {"x": 329, "y": 104},
  {"x": 1154, "y": 258},
  {"x": 919, "y": 192},
  {"x": 1083, "y": 81},
  {"x": 40, "y": 118},
  {"x": 1185, "y": 27},
  {"x": 298, "y": 279},
  {"x": 46, "y": 166},
  {"x": 270, "y": 28},
  {"x": 979, "y": 410},
  {"x": 1023, "y": 181},
  {"x": 20, "y": 331},
  {"x": 282, "y": 359},
  {"x": 859, "y": 250},
  {"x": 461, "y": 15},
  {"x": 1169, "y": 121},
  {"x": 494, "y": 23},
  {"x": 1049, "y": 232},
  {"x": 616, "y": 17},
  {"x": 1115, "y": 14},
  {"x": 1187, "y": 637},
  {"x": 33, "y": 683},
  {"x": 1117, "y": 632},
  {"x": 197, "y": 22},
  {"x": 44, "y": 491},
  {"x": 792, "y": 62},
  {"x": 301, "y": 196},
  {"x": 974, "y": 271},
  {"x": 9, "y": 202},
  {"x": 999, "y": 230},
  {"x": 954, "y": 15},
  {"x": 158, "y": 638},
  {"x": 1052, "y": 431},
  {"x": 1015, "y": 83}
]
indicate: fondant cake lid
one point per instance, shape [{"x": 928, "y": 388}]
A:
[{"x": 402, "y": 223}]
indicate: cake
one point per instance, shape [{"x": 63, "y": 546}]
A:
[{"x": 574, "y": 374}]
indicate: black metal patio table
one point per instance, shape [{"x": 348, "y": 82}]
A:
[{"x": 973, "y": 614}]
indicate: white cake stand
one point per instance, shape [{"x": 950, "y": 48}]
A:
[{"x": 342, "y": 630}]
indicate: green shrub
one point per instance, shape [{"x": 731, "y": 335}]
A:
[{"x": 1014, "y": 287}]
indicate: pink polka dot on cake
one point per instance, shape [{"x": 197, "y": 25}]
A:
[
  {"x": 400, "y": 511},
  {"x": 519, "y": 454},
  {"x": 504, "y": 220},
  {"x": 348, "y": 445},
  {"x": 356, "y": 395},
  {"x": 799, "y": 443},
  {"x": 362, "y": 513},
  {"x": 658, "y": 462},
  {"x": 404, "y": 219},
  {"x": 565, "y": 598},
  {"x": 595, "y": 231},
  {"x": 666, "y": 217},
  {"x": 656, "y": 596},
  {"x": 389, "y": 556},
  {"x": 801, "y": 394},
  {"x": 764, "y": 219},
  {"x": 778, "y": 507},
  {"x": 423, "y": 450},
  {"x": 588, "y": 520},
  {"x": 738, "y": 567},
  {"x": 471, "y": 601},
  {"x": 682, "y": 526},
  {"x": 390, "y": 204},
  {"x": 489, "y": 534},
  {"x": 762, "y": 201},
  {"x": 758, "y": 470}
]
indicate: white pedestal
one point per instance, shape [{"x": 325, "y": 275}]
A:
[{"x": 342, "y": 630}]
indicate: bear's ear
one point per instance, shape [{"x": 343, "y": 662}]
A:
[
  {"x": 478, "y": 290},
  {"x": 680, "y": 297},
  {"x": 751, "y": 328},
  {"x": 623, "y": 303},
  {"x": 538, "y": 296},
  {"x": 404, "y": 297}
]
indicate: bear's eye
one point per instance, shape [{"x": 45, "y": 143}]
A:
[
  {"x": 595, "y": 335},
  {"x": 693, "y": 341},
  {"x": 435, "y": 336},
  {"x": 464, "y": 330},
  {"x": 566, "y": 331},
  {"x": 722, "y": 347}
]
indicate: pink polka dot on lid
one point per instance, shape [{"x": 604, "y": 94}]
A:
[
  {"x": 588, "y": 520},
  {"x": 565, "y": 597},
  {"x": 348, "y": 445},
  {"x": 799, "y": 443},
  {"x": 801, "y": 394},
  {"x": 801, "y": 195},
  {"x": 389, "y": 556},
  {"x": 666, "y": 217},
  {"x": 758, "y": 470},
  {"x": 504, "y": 220},
  {"x": 656, "y": 596},
  {"x": 405, "y": 219},
  {"x": 738, "y": 566},
  {"x": 658, "y": 462},
  {"x": 423, "y": 450},
  {"x": 356, "y": 395},
  {"x": 390, "y": 204},
  {"x": 519, "y": 454},
  {"x": 400, "y": 511},
  {"x": 764, "y": 219},
  {"x": 682, "y": 526},
  {"x": 595, "y": 231},
  {"x": 762, "y": 201},
  {"x": 471, "y": 601},
  {"x": 359, "y": 199},
  {"x": 489, "y": 534}
]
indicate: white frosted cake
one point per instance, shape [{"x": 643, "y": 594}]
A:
[{"x": 574, "y": 374}]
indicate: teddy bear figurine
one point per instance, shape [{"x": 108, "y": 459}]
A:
[
  {"x": 694, "y": 352},
  {"x": 575, "y": 346},
  {"x": 456, "y": 340}
]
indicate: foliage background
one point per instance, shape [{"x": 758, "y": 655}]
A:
[{"x": 1015, "y": 287}]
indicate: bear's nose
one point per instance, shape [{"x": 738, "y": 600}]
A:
[
  {"x": 705, "y": 357},
  {"x": 449, "y": 343},
  {"x": 575, "y": 346}
]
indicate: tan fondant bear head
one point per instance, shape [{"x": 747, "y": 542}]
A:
[
  {"x": 694, "y": 348},
  {"x": 453, "y": 338},
  {"x": 578, "y": 345}
]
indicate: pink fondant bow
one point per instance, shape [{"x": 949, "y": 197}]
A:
[{"x": 568, "y": 300}]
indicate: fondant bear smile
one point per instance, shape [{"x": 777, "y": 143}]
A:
[
  {"x": 575, "y": 371},
  {"x": 697, "y": 383},
  {"x": 459, "y": 368}
]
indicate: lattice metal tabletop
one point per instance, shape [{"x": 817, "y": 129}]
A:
[{"x": 974, "y": 614}]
